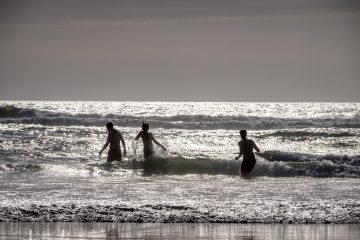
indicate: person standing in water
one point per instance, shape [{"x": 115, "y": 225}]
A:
[
  {"x": 148, "y": 139},
  {"x": 114, "y": 138},
  {"x": 246, "y": 149}
]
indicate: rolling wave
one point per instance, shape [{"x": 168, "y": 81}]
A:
[
  {"x": 12, "y": 114},
  {"x": 10, "y": 111}
]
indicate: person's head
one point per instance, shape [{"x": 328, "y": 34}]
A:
[
  {"x": 109, "y": 126},
  {"x": 145, "y": 127},
  {"x": 243, "y": 134}
]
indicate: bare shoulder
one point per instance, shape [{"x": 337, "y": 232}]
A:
[
  {"x": 253, "y": 143},
  {"x": 117, "y": 132}
]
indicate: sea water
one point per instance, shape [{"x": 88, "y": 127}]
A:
[{"x": 308, "y": 170}]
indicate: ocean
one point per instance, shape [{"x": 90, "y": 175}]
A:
[{"x": 308, "y": 170}]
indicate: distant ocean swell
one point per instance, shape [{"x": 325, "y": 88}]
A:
[
  {"x": 12, "y": 114},
  {"x": 276, "y": 164},
  {"x": 306, "y": 134}
]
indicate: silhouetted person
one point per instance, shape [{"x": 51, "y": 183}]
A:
[
  {"x": 246, "y": 149},
  {"x": 114, "y": 138},
  {"x": 148, "y": 139}
]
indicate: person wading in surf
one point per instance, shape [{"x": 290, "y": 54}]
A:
[
  {"x": 148, "y": 139},
  {"x": 114, "y": 138},
  {"x": 246, "y": 149}
]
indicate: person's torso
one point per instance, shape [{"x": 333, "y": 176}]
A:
[
  {"x": 147, "y": 141},
  {"x": 247, "y": 147},
  {"x": 114, "y": 138}
]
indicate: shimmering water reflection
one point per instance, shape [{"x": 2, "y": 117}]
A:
[{"x": 22, "y": 230}]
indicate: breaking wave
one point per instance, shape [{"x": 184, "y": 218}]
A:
[
  {"x": 268, "y": 163},
  {"x": 311, "y": 165},
  {"x": 325, "y": 166}
]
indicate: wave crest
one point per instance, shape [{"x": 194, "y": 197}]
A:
[
  {"x": 12, "y": 114},
  {"x": 10, "y": 111}
]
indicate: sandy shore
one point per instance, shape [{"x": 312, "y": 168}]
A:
[{"x": 93, "y": 230}]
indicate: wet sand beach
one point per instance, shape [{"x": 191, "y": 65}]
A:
[{"x": 62, "y": 230}]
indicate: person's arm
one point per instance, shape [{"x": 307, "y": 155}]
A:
[
  {"x": 157, "y": 143},
  {"x": 105, "y": 145},
  {"x": 123, "y": 143},
  {"x": 256, "y": 147},
  {"x": 138, "y": 136},
  {"x": 240, "y": 153}
]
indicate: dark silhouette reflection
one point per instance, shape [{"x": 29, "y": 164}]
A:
[
  {"x": 246, "y": 147},
  {"x": 112, "y": 232},
  {"x": 94, "y": 230}
]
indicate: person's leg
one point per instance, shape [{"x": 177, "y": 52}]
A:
[
  {"x": 252, "y": 165},
  {"x": 114, "y": 154},
  {"x": 109, "y": 157},
  {"x": 148, "y": 153},
  {"x": 118, "y": 155},
  {"x": 244, "y": 170},
  {"x": 148, "y": 163},
  {"x": 246, "y": 167}
]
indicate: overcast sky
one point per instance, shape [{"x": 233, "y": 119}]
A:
[{"x": 180, "y": 50}]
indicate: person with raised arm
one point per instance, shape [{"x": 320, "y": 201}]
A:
[{"x": 148, "y": 140}]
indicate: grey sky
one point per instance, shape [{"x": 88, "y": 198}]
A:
[{"x": 184, "y": 50}]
